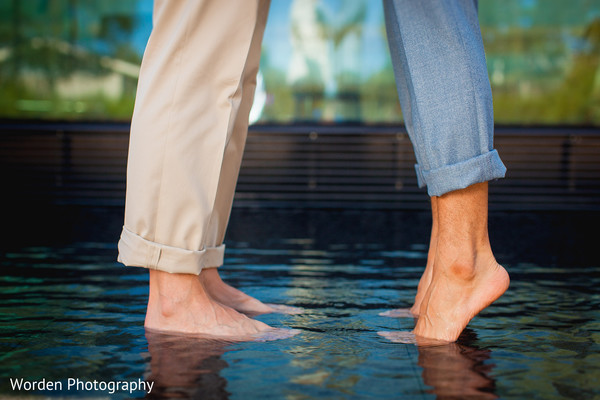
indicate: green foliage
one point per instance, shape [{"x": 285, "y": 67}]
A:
[{"x": 76, "y": 59}]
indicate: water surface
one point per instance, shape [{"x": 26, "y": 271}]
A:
[{"x": 68, "y": 310}]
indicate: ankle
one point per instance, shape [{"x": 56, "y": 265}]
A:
[
  {"x": 170, "y": 293},
  {"x": 465, "y": 264},
  {"x": 166, "y": 308},
  {"x": 210, "y": 276},
  {"x": 461, "y": 271}
]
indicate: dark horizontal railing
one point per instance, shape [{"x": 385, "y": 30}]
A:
[{"x": 325, "y": 166}]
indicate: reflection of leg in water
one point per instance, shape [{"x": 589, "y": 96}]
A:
[
  {"x": 186, "y": 367},
  {"x": 457, "y": 370}
]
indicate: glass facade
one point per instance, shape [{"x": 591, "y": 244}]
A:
[{"x": 323, "y": 61}]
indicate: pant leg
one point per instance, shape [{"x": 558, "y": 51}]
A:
[
  {"x": 441, "y": 74},
  {"x": 188, "y": 131}
]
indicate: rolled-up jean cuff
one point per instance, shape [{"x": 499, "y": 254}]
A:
[
  {"x": 483, "y": 168},
  {"x": 420, "y": 180},
  {"x": 135, "y": 251}
]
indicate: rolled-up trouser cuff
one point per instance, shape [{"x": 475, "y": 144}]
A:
[
  {"x": 420, "y": 179},
  {"x": 483, "y": 168},
  {"x": 135, "y": 251}
]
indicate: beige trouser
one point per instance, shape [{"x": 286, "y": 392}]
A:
[{"x": 188, "y": 131}]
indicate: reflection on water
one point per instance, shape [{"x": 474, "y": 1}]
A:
[
  {"x": 186, "y": 367},
  {"x": 70, "y": 310},
  {"x": 458, "y": 370},
  {"x": 190, "y": 367}
]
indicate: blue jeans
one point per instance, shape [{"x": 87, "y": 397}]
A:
[{"x": 441, "y": 74}]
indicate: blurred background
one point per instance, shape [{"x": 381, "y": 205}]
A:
[
  {"x": 323, "y": 61},
  {"x": 327, "y": 126}
]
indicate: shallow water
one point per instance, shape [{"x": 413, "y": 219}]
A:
[{"x": 68, "y": 310}]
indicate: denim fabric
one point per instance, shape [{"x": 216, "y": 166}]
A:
[{"x": 444, "y": 91}]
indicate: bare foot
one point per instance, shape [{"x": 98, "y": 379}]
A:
[
  {"x": 285, "y": 309},
  {"x": 238, "y": 300},
  {"x": 456, "y": 295},
  {"x": 465, "y": 276},
  {"x": 405, "y": 337},
  {"x": 425, "y": 280},
  {"x": 398, "y": 313},
  {"x": 179, "y": 303},
  {"x": 427, "y": 276},
  {"x": 424, "y": 283}
]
